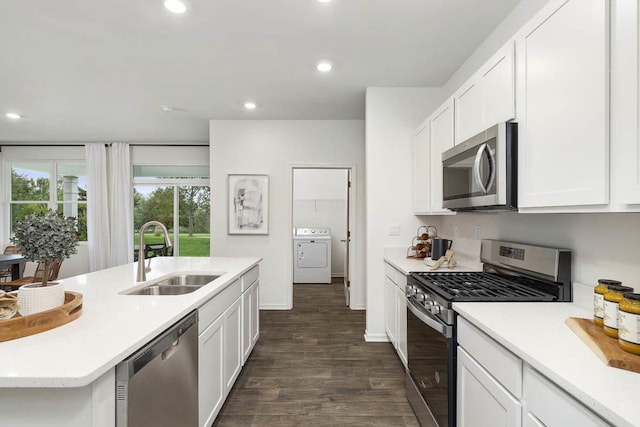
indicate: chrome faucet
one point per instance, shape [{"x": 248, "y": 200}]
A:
[{"x": 142, "y": 252}]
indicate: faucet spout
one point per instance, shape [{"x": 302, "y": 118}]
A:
[{"x": 142, "y": 253}]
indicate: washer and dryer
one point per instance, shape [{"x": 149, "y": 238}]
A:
[{"x": 311, "y": 255}]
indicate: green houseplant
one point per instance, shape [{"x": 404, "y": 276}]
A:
[{"x": 44, "y": 238}]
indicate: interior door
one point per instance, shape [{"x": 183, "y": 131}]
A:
[{"x": 347, "y": 242}]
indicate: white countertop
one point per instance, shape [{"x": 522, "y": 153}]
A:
[
  {"x": 397, "y": 257},
  {"x": 537, "y": 333},
  {"x": 111, "y": 326}
]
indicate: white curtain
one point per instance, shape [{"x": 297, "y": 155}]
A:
[
  {"x": 121, "y": 205},
  {"x": 98, "y": 235}
]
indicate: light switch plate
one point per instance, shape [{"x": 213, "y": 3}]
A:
[{"x": 393, "y": 230}]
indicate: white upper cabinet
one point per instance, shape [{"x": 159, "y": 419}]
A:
[
  {"x": 421, "y": 169},
  {"x": 430, "y": 139},
  {"x": 488, "y": 97},
  {"x": 441, "y": 134},
  {"x": 625, "y": 95},
  {"x": 498, "y": 87},
  {"x": 468, "y": 109},
  {"x": 563, "y": 105}
]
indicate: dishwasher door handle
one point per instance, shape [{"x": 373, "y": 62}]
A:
[{"x": 171, "y": 350}]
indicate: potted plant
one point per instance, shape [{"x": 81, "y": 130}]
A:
[{"x": 45, "y": 238}]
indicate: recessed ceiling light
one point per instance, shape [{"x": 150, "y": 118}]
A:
[
  {"x": 175, "y": 6},
  {"x": 324, "y": 66},
  {"x": 13, "y": 116},
  {"x": 170, "y": 109},
  {"x": 250, "y": 105},
  {"x": 324, "y": 1}
]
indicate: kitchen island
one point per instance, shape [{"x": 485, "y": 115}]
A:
[{"x": 65, "y": 376}]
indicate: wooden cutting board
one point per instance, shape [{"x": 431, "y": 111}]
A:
[
  {"x": 605, "y": 347},
  {"x": 21, "y": 326}
]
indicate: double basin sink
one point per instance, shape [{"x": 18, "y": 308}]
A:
[{"x": 178, "y": 284}]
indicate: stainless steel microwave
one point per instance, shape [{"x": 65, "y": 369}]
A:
[{"x": 481, "y": 173}]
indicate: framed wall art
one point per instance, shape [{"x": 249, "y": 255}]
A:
[{"x": 248, "y": 204}]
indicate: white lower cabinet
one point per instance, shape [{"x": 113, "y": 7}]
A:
[
  {"x": 545, "y": 404},
  {"x": 496, "y": 388},
  {"x": 250, "y": 320},
  {"x": 481, "y": 399},
  {"x": 232, "y": 332},
  {"x": 396, "y": 310},
  {"x": 227, "y": 332},
  {"x": 211, "y": 387}
]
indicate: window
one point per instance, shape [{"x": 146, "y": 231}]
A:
[
  {"x": 178, "y": 197},
  {"x": 34, "y": 191}
]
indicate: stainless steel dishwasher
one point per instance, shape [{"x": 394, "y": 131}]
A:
[{"x": 158, "y": 384}]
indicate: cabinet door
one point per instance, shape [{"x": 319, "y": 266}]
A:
[
  {"x": 625, "y": 97},
  {"x": 232, "y": 344},
  {"x": 563, "y": 135},
  {"x": 421, "y": 169},
  {"x": 250, "y": 321},
  {"x": 390, "y": 315},
  {"x": 441, "y": 133},
  {"x": 481, "y": 400},
  {"x": 246, "y": 324},
  {"x": 468, "y": 110},
  {"x": 211, "y": 386},
  {"x": 401, "y": 309},
  {"x": 498, "y": 87},
  {"x": 550, "y": 406}
]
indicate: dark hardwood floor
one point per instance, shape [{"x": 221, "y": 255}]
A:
[{"x": 312, "y": 367}]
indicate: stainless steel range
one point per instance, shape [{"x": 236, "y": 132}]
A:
[{"x": 511, "y": 272}]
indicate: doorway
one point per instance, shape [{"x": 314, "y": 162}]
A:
[{"x": 321, "y": 202}]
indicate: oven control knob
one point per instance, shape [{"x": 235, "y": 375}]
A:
[
  {"x": 410, "y": 291},
  {"x": 420, "y": 297},
  {"x": 435, "y": 309}
]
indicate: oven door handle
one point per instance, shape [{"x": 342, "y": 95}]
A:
[{"x": 433, "y": 323}]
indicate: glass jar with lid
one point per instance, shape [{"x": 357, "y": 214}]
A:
[
  {"x": 598, "y": 299},
  {"x": 612, "y": 297},
  {"x": 629, "y": 323}
]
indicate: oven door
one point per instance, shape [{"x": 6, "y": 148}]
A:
[{"x": 431, "y": 368}]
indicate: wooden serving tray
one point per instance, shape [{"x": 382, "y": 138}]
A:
[
  {"x": 605, "y": 347},
  {"x": 21, "y": 326}
]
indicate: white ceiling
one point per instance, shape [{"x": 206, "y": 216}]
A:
[{"x": 85, "y": 70}]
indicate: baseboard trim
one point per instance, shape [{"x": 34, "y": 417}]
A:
[
  {"x": 375, "y": 337},
  {"x": 274, "y": 307},
  {"x": 358, "y": 307}
]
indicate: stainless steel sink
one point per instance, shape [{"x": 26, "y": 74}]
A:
[{"x": 179, "y": 284}]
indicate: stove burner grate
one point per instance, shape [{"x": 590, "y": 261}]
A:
[{"x": 476, "y": 286}]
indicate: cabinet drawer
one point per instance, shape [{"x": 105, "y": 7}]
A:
[
  {"x": 551, "y": 406},
  {"x": 250, "y": 277},
  {"x": 390, "y": 272},
  {"x": 497, "y": 360},
  {"x": 212, "y": 309}
]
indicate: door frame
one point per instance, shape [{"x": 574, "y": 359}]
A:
[{"x": 351, "y": 224}]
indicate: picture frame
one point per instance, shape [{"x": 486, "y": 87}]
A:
[{"x": 248, "y": 204}]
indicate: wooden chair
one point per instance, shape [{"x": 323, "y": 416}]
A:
[
  {"x": 5, "y": 273},
  {"x": 54, "y": 269}
]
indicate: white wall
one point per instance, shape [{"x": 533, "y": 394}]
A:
[
  {"x": 319, "y": 200},
  {"x": 392, "y": 114},
  {"x": 273, "y": 147}
]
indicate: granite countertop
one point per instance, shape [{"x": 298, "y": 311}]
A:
[
  {"x": 111, "y": 326},
  {"x": 537, "y": 333}
]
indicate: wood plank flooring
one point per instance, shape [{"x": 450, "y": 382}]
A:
[{"x": 312, "y": 367}]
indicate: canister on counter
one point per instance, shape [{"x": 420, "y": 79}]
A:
[
  {"x": 629, "y": 323},
  {"x": 598, "y": 299},
  {"x": 611, "y": 299}
]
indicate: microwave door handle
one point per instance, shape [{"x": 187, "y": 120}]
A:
[
  {"x": 476, "y": 168},
  {"x": 492, "y": 168}
]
